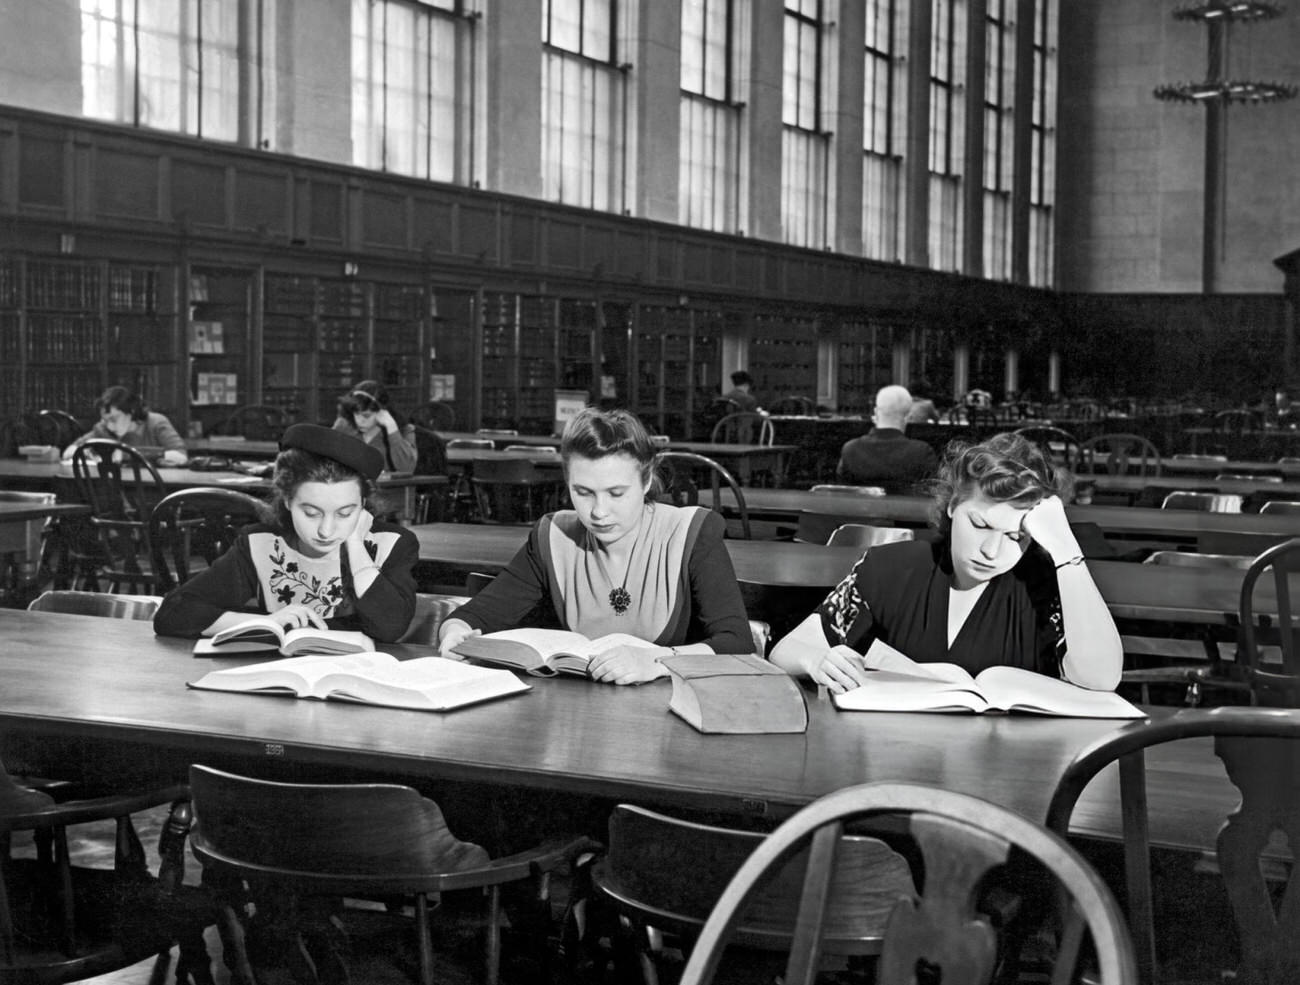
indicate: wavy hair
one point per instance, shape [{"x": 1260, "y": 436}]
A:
[
  {"x": 1007, "y": 468},
  {"x": 594, "y": 433}
]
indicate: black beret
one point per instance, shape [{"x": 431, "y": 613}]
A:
[{"x": 342, "y": 448}]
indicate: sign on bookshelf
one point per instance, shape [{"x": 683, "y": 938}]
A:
[{"x": 216, "y": 388}]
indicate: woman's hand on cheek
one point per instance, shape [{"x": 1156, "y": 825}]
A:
[
  {"x": 297, "y": 616},
  {"x": 1050, "y": 529},
  {"x": 365, "y": 520},
  {"x": 626, "y": 665}
]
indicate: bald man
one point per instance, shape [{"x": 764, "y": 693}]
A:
[{"x": 885, "y": 456}]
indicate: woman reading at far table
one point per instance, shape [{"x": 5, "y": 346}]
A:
[
  {"x": 1006, "y": 583},
  {"x": 618, "y": 562},
  {"x": 364, "y": 413}
]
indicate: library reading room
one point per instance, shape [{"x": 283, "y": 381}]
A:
[{"x": 622, "y": 492}]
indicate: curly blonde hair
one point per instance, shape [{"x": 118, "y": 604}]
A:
[{"x": 1006, "y": 468}]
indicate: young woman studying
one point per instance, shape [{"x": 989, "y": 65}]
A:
[
  {"x": 1006, "y": 583},
  {"x": 323, "y": 561},
  {"x": 364, "y": 414},
  {"x": 617, "y": 562},
  {"x": 124, "y": 417}
]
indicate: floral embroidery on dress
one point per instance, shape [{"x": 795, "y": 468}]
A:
[
  {"x": 844, "y": 603},
  {"x": 290, "y": 584}
]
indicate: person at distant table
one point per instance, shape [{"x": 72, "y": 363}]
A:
[
  {"x": 739, "y": 394},
  {"x": 321, "y": 560},
  {"x": 618, "y": 562},
  {"x": 1006, "y": 583},
  {"x": 124, "y": 417},
  {"x": 885, "y": 456},
  {"x": 364, "y": 413}
]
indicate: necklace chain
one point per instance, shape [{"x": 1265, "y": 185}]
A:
[{"x": 620, "y": 599}]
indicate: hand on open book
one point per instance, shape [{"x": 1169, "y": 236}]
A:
[
  {"x": 628, "y": 664},
  {"x": 296, "y": 616},
  {"x": 838, "y": 668}
]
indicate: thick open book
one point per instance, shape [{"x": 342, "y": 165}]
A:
[
  {"x": 897, "y": 683},
  {"x": 427, "y": 684},
  {"x": 541, "y": 652},
  {"x": 264, "y": 633}
]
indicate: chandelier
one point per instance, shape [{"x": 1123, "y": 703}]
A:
[{"x": 1218, "y": 15}]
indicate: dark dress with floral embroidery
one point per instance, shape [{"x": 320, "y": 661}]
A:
[
  {"x": 899, "y": 594},
  {"x": 264, "y": 572}
]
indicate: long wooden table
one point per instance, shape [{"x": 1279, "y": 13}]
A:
[{"x": 120, "y": 703}]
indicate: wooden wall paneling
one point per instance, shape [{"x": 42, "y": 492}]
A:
[
  {"x": 43, "y": 172},
  {"x": 327, "y": 212},
  {"x": 476, "y": 230},
  {"x": 384, "y": 220},
  {"x": 126, "y": 185},
  {"x": 563, "y": 244},
  {"x": 263, "y": 201},
  {"x": 628, "y": 260},
  {"x": 198, "y": 194},
  {"x": 521, "y": 240}
]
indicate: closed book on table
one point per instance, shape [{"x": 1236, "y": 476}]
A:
[{"x": 735, "y": 693}]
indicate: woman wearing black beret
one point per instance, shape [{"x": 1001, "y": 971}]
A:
[{"x": 322, "y": 559}]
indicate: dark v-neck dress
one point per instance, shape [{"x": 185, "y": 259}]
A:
[{"x": 899, "y": 594}]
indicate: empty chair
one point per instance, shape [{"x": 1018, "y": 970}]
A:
[
  {"x": 1236, "y": 421},
  {"x": 57, "y": 428},
  {"x": 938, "y": 933},
  {"x": 1119, "y": 454},
  {"x": 303, "y": 846},
  {"x": 1266, "y": 588},
  {"x": 25, "y": 551},
  {"x": 743, "y": 428},
  {"x": 434, "y": 415},
  {"x": 686, "y": 473},
  {"x": 64, "y": 919},
  {"x": 190, "y": 528},
  {"x": 106, "y": 604},
  {"x": 1059, "y": 445},
  {"x": 1260, "y": 749},
  {"x": 122, "y": 487},
  {"x": 257, "y": 422},
  {"x": 662, "y": 875},
  {"x": 868, "y": 535},
  {"x": 838, "y": 487},
  {"x": 1280, "y": 506},
  {"x": 1202, "y": 502},
  {"x": 515, "y": 490}
]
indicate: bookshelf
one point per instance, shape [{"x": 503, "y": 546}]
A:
[
  {"x": 865, "y": 364},
  {"x": 783, "y": 357},
  {"x": 453, "y": 352},
  {"x": 289, "y": 355},
  {"x": 399, "y": 349},
  {"x": 678, "y": 358},
  {"x": 218, "y": 343}
]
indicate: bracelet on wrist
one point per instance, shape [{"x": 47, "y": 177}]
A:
[{"x": 1076, "y": 560}]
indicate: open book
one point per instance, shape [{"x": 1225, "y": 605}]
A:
[
  {"x": 264, "y": 633},
  {"x": 428, "y": 684},
  {"x": 897, "y": 683},
  {"x": 541, "y": 652}
]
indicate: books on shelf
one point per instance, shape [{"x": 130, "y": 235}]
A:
[
  {"x": 264, "y": 633},
  {"x": 897, "y": 683},
  {"x": 425, "y": 684},
  {"x": 734, "y": 694},
  {"x": 542, "y": 652}
]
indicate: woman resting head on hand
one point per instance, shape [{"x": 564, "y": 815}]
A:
[
  {"x": 618, "y": 562},
  {"x": 1005, "y": 583},
  {"x": 364, "y": 413},
  {"x": 323, "y": 560}
]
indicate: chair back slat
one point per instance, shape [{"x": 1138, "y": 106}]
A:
[{"x": 682, "y": 472}]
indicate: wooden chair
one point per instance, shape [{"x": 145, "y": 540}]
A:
[
  {"x": 743, "y": 428},
  {"x": 435, "y": 416},
  {"x": 866, "y": 535},
  {"x": 63, "y": 920},
  {"x": 21, "y": 568},
  {"x": 1261, "y": 750},
  {"x": 430, "y": 612},
  {"x": 104, "y": 604},
  {"x": 1202, "y": 502},
  {"x": 685, "y": 472},
  {"x": 835, "y": 487},
  {"x": 298, "y": 846},
  {"x": 1236, "y": 421},
  {"x": 515, "y": 490},
  {"x": 1059, "y": 445},
  {"x": 1273, "y": 681},
  {"x": 940, "y": 933},
  {"x": 122, "y": 487},
  {"x": 1280, "y": 506},
  {"x": 58, "y": 428},
  {"x": 190, "y": 528},
  {"x": 1119, "y": 454},
  {"x": 257, "y": 422},
  {"x": 662, "y": 875}
]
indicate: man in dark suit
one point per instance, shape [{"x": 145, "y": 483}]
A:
[{"x": 885, "y": 456}]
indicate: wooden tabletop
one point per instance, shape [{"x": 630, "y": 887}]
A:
[
  {"x": 11, "y": 512},
  {"x": 124, "y": 696},
  {"x": 18, "y": 473}
]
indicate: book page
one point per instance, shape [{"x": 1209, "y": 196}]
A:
[
  {"x": 881, "y": 656},
  {"x": 1014, "y": 689},
  {"x": 298, "y": 675},
  {"x": 888, "y": 690},
  {"x": 251, "y": 630},
  {"x": 429, "y": 683},
  {"x": 309, "y": 639}
]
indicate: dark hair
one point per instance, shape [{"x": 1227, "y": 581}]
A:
[
  {"x": 740, "y": 378},
  {"x": 1007, "y": 468},
  {"x": 594, "y": 433},
  {"x": 366, "y": 395},
  {"x": 123, "y": 399},
  {"x": 294, "y": 466}
]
